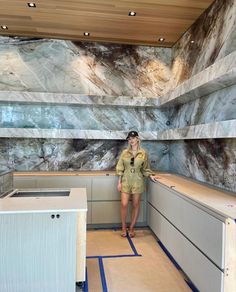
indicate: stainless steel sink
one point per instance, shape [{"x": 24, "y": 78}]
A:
[{"x": 40, "y": 193}]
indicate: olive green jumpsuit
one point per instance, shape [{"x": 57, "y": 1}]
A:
[{"x": 133, "y": 171}]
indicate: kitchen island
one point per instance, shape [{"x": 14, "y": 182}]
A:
[{"x": 43, "y": 240}]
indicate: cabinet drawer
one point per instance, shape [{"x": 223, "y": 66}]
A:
[
  {"x": 204, "y": 274},
  {"x": 109, "y": 212},
  {"x": 201, "y": 228}
]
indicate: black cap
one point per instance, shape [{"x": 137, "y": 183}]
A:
[{"x": 132, "y": 134}]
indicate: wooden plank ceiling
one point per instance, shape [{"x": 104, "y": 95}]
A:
[{"x": 105, "y": 20}]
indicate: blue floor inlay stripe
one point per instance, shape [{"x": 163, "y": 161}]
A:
[
  {"x": 102, "y": 274},
  {"x": 169, "y": 255},
  {"x": 191, "y": 286},
  {"x": 86, "y": 281},
  {"x": 132, "y": 246},
  {"x": 114, "y": 256},
  {"x": 189, "y": 282}
]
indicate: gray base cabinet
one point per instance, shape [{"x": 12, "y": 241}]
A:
[
  {"x": 102, "y": 194},
  {"x": 195, "y": 236}
]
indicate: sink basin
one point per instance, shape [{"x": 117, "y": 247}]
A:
[{"x": 40, "y": 194}]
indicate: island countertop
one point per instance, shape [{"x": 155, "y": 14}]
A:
[
  {"x": 76, "y": 201},
  {"x": 216, "y": 199}
]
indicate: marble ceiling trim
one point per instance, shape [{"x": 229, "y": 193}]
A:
[
  {"x": 78, "y": 99},
  {"x": 217, "y": 76},
  {"x": 224, "y": 129},
  {"x": 71, "y": 134}
]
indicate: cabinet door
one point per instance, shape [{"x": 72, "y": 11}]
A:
[
  {"x": 38, "y": 252},
  {"x": 204, "y": 230},
  {"x": 105, "y": 188},
  {"x": 204, "y": 274}
]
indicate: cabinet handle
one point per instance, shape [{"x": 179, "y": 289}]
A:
[
  {"x": 52, "y": 216},
  {"x": 58, "y": 216}
]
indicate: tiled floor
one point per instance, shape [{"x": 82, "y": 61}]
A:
[{"x": 117, "y": 264}]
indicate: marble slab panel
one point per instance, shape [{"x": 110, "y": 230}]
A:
[
  {"x": 217, "y": 76},
  {"x": 82, "y": 67},
  {"x": 218, "y": 106},
  {"x": 211, "y": 161},
  {"x": 224, "y": 129},
  {"x": 6, "y": 182},
  {"x": 214, "y": 37},
  {"x": 73, "y": 154},
  {"x": 101, "y": 118}
]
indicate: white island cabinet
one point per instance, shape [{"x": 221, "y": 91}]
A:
[{"x": 43, "y": 241}]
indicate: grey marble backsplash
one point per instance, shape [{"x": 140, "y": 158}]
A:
[
  {"x": 73, "y": 154},
  {"x": 6, "y": 181},
  {"x": 217, "y": 106},
  {"x": 211, "y": 161},
  {"x": 81, "y": 117}
]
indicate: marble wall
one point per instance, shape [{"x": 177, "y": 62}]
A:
[
  {"x": 217, "y": 106},
  {"x": 6, "y": 182},
  {"x": 110, "y": 118},
  {"x": 72, "y": 154},
  {"x": 209, "y": 161},
  {"x": 87, "y": 68},
  {"x": 214, "y": 36}
]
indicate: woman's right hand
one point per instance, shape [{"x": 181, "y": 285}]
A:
[{"x": 119, "y": 186}]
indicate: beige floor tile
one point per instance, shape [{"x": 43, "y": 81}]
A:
[
  {"x": 153, "y": 271},
  {"x": 107, "y": 242},
  {"x": 140, "y": 274}
]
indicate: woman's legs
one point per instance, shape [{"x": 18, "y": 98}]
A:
[
  {"x": 135, "y": 212},
  {"x": 124, "y": 207}
]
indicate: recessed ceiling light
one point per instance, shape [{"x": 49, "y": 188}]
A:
[
  {"x": 31, "y": 4},
  {"x": 161, "y": 39},
  {"x": 132, "y": 13},
  {"x": 192, "y": 41},
  {"x": 4, "y": 27},
  {"x": 86, "y": 33}
]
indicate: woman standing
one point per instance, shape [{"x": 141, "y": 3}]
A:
[{"x": 132, "y": 167}]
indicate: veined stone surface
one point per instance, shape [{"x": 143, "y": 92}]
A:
[
  {"x": 220, "y": 75},
  {"x": 225, "y": 129},
  {"x": 211, "y": 161},
  {"x": 214, "y": 36},
  {"x": 84, "y": 117},
  {"x": 85, "y": 68},
  {"x": 217, "y": 106},
  {"x": 73, "y": 154}
]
